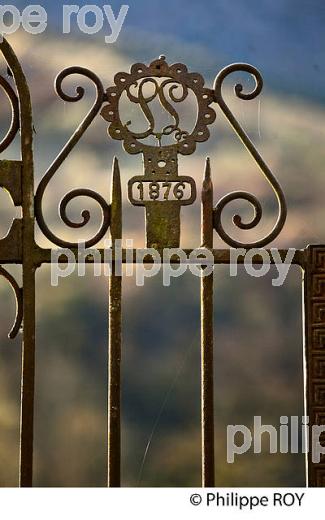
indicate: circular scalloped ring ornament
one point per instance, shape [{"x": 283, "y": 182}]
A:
[{"x": 175, "y": 76}]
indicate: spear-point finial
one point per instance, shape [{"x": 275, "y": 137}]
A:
[
  {"x": 116, "y": 202},
  {"x": 207, "y": 182},
  {"x": 207, "y": 173},
  {"x": 207, "y": 207}
]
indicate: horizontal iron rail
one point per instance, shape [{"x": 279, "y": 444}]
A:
[{"x": 129, "y": 256}]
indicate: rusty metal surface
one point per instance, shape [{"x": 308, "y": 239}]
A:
[
  {"x": 11, "y": 250},
  {"x": 114, "y": 347},
  {"x": 314, "y": 303},
  {"x": 207, "y": 366},
  {"x": 162, "y": 192},
  {"x": 19, "y": 302},
  {"x": 176, "y": 77},
  {"x": 282, "y": 213},
  {"x": 14, "y": 124},
  {"x": 10, "y": 180},
  {"x": 25, "y": 183},
  {"x": 170, "y": 86},
  {"x": 75, "y": 138},
  {"x": 220, "y": 256}
]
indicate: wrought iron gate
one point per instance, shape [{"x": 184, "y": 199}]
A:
[{"x": 162, "y": 191}]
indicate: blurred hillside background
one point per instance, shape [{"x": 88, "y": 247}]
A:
[{"x": 258, "y": 327}]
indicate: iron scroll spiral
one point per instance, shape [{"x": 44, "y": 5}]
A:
[
  {"x": 85, "y": 214},
  {"x": 243, "y": 195},
  {"x": 18, "y": 291},
  {"x": 14, "y": 124},
  {"x": 4, "y": 144}
]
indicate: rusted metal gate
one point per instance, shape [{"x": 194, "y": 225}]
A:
[{"x": 162, "y": 191}]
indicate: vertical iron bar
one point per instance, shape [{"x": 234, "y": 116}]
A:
[
  {"x": 114, "y": 353},
  {"x": 207, "y": 401},
  {"x": 28, "y": 378},
  {"x": 314, "y": 312},
  {"x": 28, "y": 268},
  {"x": 28, "y": 346}
]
